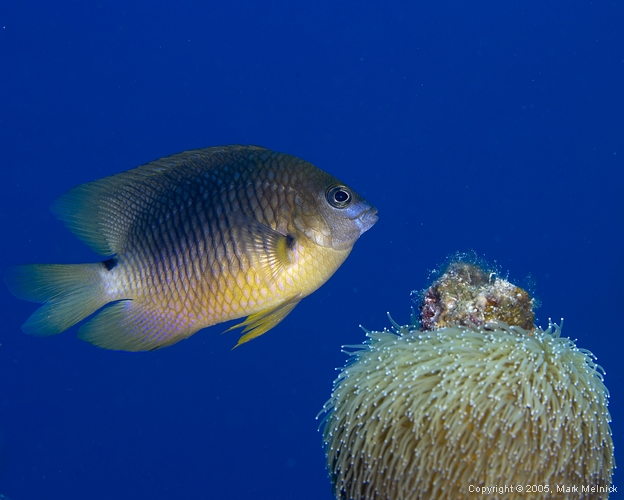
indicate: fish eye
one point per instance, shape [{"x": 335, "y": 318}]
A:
[{"x": 339, "y": 196}]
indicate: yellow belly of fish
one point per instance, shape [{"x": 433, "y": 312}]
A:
[{"x": 187, "y": 301}]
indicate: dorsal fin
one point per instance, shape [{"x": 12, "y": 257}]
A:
[{"x": 102, "y": 212}]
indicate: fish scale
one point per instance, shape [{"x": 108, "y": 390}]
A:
[{"x": 193, "y": 240}]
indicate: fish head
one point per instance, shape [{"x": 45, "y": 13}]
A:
[{"x": 334, "y": 215}]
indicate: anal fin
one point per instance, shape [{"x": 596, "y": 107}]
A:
[{"x": 133, "y": 325}]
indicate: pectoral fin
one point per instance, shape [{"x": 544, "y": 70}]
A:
[
  {"x": 261, "y": 322},
  {"x": 267, "y": 249}
]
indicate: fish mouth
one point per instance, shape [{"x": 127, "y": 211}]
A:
[{"x": 366, "y": 219}]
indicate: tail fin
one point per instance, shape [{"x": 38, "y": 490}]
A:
[{"x": 69, "y": 293}]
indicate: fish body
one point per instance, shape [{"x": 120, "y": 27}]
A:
[{"x": 192, "y": 240}]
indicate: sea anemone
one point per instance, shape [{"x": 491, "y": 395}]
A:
[{"x": 463, "y": 410}]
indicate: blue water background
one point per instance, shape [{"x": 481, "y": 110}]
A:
[{"x": 489, "y": 126}]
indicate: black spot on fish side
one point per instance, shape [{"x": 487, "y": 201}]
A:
[
  {"x": 109, "y": 263},
  {"x": 290, "y": 242}
]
